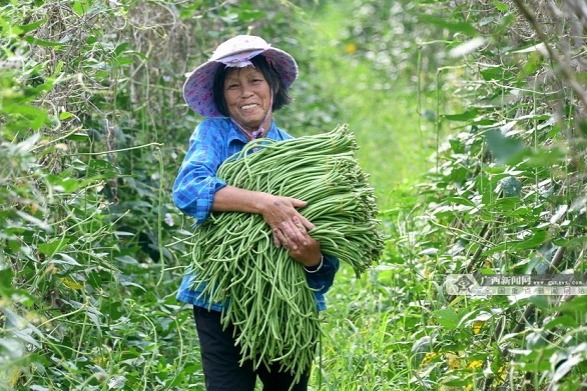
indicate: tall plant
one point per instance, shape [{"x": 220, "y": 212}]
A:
[
  {"x": 506, "y": 195},
  {"x": 92, "y": 129}
]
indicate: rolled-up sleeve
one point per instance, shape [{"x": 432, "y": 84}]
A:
[{"x": 196, "y": 182}]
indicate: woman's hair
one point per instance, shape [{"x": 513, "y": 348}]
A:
[{"x": 281, "y": 95}]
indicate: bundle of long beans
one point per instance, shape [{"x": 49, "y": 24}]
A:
[{"x": 265, "y": 292}]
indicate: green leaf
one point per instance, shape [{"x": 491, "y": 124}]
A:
[
  {"x": 68, "y": 185},
  {"x": 577, "y": 305},
  {"x": 65, "y": 115},
  {"x": 25, "y": 28},
  {"x": 537, "y": 238},
  {"x": 533, "y": 241},
  {"x": 494, "y": 73},
  {"x": 124, "y": 61},
  {"x": 64, "y": 183},
  {"x": 571, "y": 243},
  {"x": 42, "y": 42},
  {"x": 77, "y": 137},
  {"x": 447, "y": 318},
  {"x": 456, "y": 382},
  {"x": 53, "y": 246},
  {"x": 29, "y": 116},
  {"x": 562, "y": 321},
  {"x": 543, "y": 157},
  {"x": 465, "y": 116},
  {"x": 121, "y": 48},
  {"x": 6, "y": 276},
  {"x": 459, "y": 27},
  {"x": 533, "y": 64},
  {"x": 501, "y": 6},
  {"x": 80, "y": 7},
  {"x": 460, "y": 201}
]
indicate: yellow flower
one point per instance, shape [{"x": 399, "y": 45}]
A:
[
  {"x": 475, "y": 364},
  {"x": 350, "y": 48},
  {"x": 502, "y": 373},
  {"x": 429, "y": 357},
  {"x": 13, "y": 376},
  {"x": 101, "y": 360},
  {"x": 453, "y": 361},
  {"x": 477, "y": 326},
  {"x": 68, "y": 282}
]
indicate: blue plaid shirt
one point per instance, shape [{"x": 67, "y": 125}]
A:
[{"x": 213, "y": 141}]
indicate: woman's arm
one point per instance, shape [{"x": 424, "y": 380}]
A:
[
  {"x": 198, "y": 191},
  {"x": 280, "y": 213}
]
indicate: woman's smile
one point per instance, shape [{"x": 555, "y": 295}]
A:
[{"x": 248, "y": 97}]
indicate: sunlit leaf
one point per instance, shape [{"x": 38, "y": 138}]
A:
[
  {"x": 500, "y": 6},
  {"x": 68, "y": 282},
  {"x": 467, "y": 47},
  {"x": 34, "y": 220},
  {"x": 447, "y": 318},
  {"x": 65, "y": 115},
  {"x": 53, "y": 246}
]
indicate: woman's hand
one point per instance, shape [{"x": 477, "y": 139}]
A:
[
  {"x": 288, "y": 225},
  {"x": 279, "y": 212},
  {"x": 308, "y": 253}
]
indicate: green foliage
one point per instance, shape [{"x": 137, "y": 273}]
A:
[
  {"x": 504, "y": 195},
  {"x": 499, "y": 201},
  {"x": 93, "y": 127}
]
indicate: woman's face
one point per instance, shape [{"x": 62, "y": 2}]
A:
[{"x": 248, "y": 97}]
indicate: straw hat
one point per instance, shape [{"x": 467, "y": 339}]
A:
[{"x": 236, "y": 52}]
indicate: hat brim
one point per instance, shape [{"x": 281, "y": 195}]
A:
[{"x": 197, "y": 89}]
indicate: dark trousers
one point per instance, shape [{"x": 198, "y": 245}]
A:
[{"x": 221, "y": 358}]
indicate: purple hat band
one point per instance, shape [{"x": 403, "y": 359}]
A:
[{"x": 236, "y": 52}]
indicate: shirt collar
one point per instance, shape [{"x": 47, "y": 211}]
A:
[{"x": 235, "y": 134}]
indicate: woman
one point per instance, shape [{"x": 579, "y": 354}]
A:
[{"x": 237, "y": 91}]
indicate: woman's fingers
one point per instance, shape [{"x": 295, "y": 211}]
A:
[
  {"x": 276, "y": 239},
  {"x": 282, "y": 214},
  {"x": 281, "y": 240},
  {"x": 307, "y": 254},
  {"x": 298, "y": 223},
  {"x": 291, "y": 234},
  {"x": 307, "y": 224}
]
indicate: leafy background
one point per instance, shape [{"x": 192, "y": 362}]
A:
[{"x": 471, "y": 122}]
